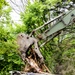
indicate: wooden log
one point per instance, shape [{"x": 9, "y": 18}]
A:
[
  {"x": 29, "y": 73},
  {"x": 37, "y": 74}
]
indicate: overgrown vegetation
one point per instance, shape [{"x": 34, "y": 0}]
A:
[
  {"x": 59, "y": 54},
  {"x": 9, "y": 58}
]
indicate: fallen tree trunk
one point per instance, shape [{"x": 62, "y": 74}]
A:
[
  {"x": 37, "y": 74},
  {"x": 29, "y": 73}
]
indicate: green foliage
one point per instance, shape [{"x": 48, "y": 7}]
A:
[
  {"x": 52, "y": 2},
  {"x": 20, "y": 28},
  {"x": 3, "y": 3},
  {"x": 9, "y": 58},
  {"x": 33, "y": 16},
  {"x": 68, "y": 57},
  {"x": 8, "y": 52}
]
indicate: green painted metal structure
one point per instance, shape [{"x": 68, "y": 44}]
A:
[{"x": 64, "y": 20}]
